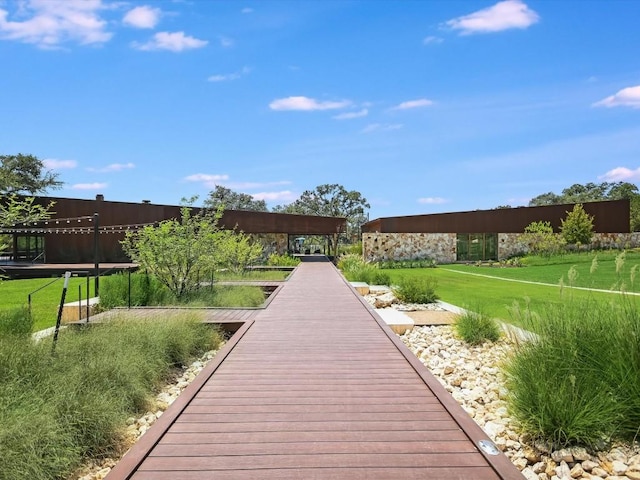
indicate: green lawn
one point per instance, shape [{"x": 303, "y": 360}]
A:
[
  {"x": 495, "y": 295},
  {"x": 45, "y": 300},
  {"x": 551, "y": 270}
]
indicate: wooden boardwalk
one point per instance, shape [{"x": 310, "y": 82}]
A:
[{"x": 314, "y": 387}]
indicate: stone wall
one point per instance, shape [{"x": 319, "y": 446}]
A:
[{"x": 440, "y": 247}]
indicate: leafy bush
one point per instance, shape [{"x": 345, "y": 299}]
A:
[
  {"x": 416, "y": 290},
  {"x": 416, "y": 263},
  {"x": 277, "y": 260},
  {"x": 351, "y": 248},
  {"x": 541, "y": 239},
  {"x": 16, "y": 322},
  {"x": 59, "y": 410},
  {"x": 476, "y": 327},
  {"x": 579, "y": 381}
]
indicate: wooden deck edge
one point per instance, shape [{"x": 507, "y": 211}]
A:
[
  {"x": 130, "y": 462},
  {"x": 500, "y": 463}
]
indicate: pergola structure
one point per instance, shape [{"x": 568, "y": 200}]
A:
[{"x": 87, "y": 231}]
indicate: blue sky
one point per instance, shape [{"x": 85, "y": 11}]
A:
[{"x": 422, "y": 106}]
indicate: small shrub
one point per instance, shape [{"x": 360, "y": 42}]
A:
[
  {"x": 415, "y": 263},
  {"x": 16, "y": 322},
  {"x": 579, "y": 381},
  {"x": 277, "y": 260},
  {"x": 476, "y": 328},
  {"x": 350, "y": 262},
  {"x": 416, "y": 290}
]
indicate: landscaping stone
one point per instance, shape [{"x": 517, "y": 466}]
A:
[{"x": 473, "y": 377}]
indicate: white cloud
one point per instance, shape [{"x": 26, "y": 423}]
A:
[
  {"x": 621, "y": 174},
  {"x": 174, "y": 42},
  {"x": 432, "y": 40},
  {"x": 306, "y": 104},
  {"x": 89, "y": 186},
  {"x": 207, "y": 179},
  {"x": 229, "y": 76},
  {"x": 50, "y": 23},
  {"x": 349, "y": 115},
  {"x": 226, "y": 42},
  {"x": 422, "y": 102},
  {"x": 380, "y": 127},
  {"x": 432, "y": 200},
  {"x": 247, "y": 10},
  {"x": 142, "y": 17},
  {"x": 284, "y": 196},
  {"x": 114, "y": 167},
  {"x": 501, "y": 16},
  {"x": 627, "y": 97},
  {"x": 59, "y": 164}
]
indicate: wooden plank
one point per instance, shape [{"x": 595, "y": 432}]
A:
[
  {"x": 181, "y": 426},
  {"x": 431, "y": 473},
  {"x": 389, "y": 436},
  {"x": 311, "y": 448},
  {"x": 354, "y": 460}
]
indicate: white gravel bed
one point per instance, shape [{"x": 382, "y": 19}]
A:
[{"x": 473, "y": 377}]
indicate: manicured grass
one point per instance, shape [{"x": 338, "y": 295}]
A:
[
  {"x": 493, "y": 295},
  {"x": 147, "y": 291},
  {"x": 58, "y": 410},
  {"x": 550, "y": 270},
  {"x": 45, "y": 302}
]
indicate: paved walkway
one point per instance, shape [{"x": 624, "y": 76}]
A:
[{"x": 314, "y": 386}]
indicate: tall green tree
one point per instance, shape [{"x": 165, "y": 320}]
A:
[
  {"x": 229, "y": 200},
  {"x": 577, "y": 227},
  {"x": 25, "y": 174},
  {"x": 332, "y": 200}
]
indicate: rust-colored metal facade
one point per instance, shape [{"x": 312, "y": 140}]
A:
[
  {"x": 79, "y": 247},
  {"x": 609, "y": 217}
]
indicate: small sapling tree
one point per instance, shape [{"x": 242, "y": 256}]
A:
[{"x": 577, "y": 228}]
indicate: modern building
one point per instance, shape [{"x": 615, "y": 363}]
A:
[
  {"x": 485, "y": 234},
  {"x": 85, "y": 231}
]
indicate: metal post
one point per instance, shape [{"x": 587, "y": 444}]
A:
[
  {"x": 88, "y": 308},
  {"x": 96, "y": 252},
  {"x": 129, "y": 271},
  {"x": 59, "y": 319}
]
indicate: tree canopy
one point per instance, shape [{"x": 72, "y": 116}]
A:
[
  {"x": 594, "y": 192},
  {"x": 228, "y": 199},
  {"x": 589, "y": 192},
  {"x": 25, "y": 174},
  {"x": 331, "y": 200}
]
